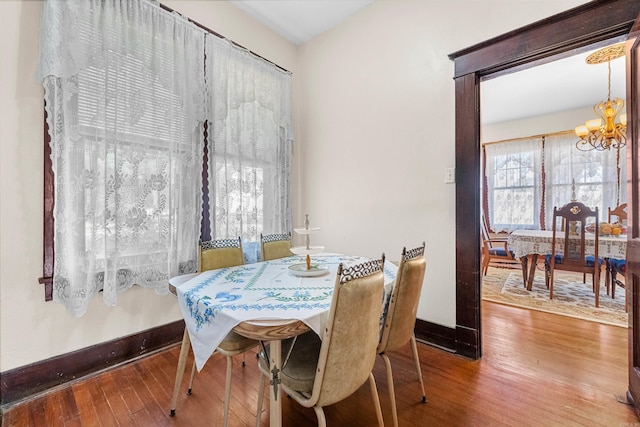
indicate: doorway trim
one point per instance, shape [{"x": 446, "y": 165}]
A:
[{"x": 525, "y": 47}]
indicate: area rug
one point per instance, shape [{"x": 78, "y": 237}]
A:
[{"x": 571, "y": 297}]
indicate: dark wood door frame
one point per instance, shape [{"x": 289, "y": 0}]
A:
[
  {"x": 632, "y": 275},
  {"x": 558, "y": 35}
]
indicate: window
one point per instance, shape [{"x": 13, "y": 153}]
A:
[
  {"x": 513, "y": 184},
  {"x": 516, "y": 189},
  {"x": 125, "y": 136},
  {"x": 251, "y": 138}
]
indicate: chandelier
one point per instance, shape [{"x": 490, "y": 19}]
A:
[{"x": 596, "y": 135}]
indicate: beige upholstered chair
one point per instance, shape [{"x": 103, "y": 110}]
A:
[
  {"x": 400, "y": 318},
  {"x": 274, "y": 246},
  {"x": 320, "y": 373},
  {"x": 212, "y": 255},
  {"x": 219, "y": 253}
]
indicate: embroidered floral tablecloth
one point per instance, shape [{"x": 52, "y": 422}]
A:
[{"x": 215, "y": 301}]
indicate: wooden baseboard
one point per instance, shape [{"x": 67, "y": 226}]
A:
[
  {"x": 23, "y": 382},
  {"x": 436, "y": 335},
  {"x": 26, "y": 381}
]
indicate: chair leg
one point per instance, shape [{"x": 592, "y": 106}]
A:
[
  {"x": 547, "y": 274},
  {"x": 549, "y": 278},
  {"x": 227, "y": 390},
  {"x": 260, "y": 398},
  {"x": 485, "y": 264},
  {"x": 322, "y": 421},
  {"x": 607, "y": 277},
  {"x": 392, "y": 392},
  {"x": 376, "y": 399},
  {"x": 193, "y": 374},
  {"x": 416, "y": 359},
  {"x": 596, "y": 284},
  {"x": 182, "y": 363},
  {"x": 523, "y": 264}
]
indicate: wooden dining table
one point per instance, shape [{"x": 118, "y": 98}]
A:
[
  {"x": 528, "y": 244},
  {"x": 266, "y": 301}
]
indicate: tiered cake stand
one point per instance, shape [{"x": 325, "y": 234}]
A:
[{"x": 307, "y": 249}]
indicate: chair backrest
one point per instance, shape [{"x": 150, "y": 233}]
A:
[
  {"x": 400, "y": 319},
  {"x": 214, "y": 254},
  {"x": 574, "y": 217},
  {"x": 619, "y": 211},
  {"x": 349, "y": 343},
  {"x": 274, "y": 246}
]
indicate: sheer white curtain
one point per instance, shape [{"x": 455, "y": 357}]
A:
[
  {"x": 124, "y": 93},
  {"x": 514, "y": 185},
  {"x": 594, "y": 173},
  {"x": 250, "y": 139}
]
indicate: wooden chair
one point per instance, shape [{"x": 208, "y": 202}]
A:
[
  {"x": 495, "y": 251},
  {"x": 619, "y": 211},
  {"x": 573, "y": 256},
  {"x": 400, "y": 318},
  {"x": 318, "y": 373},
  {"x": 213, "y": 255},
  {"x": 274, "y": 246},
  {"x": 615, "y": 266}
]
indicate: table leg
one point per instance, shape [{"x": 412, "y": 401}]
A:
[
  {"x": 275, "y": 402},
  {"x": 182, "y": 362},
  {"x": 532, "y": 271},
  {"x": 523, "y": 262}
]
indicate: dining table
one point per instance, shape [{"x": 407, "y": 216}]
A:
[
  {"x": 268, "y": 301},
  {"x": 526, "y": 245}
]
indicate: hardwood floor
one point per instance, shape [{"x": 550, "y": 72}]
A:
[{"x": 538, "y": 369}]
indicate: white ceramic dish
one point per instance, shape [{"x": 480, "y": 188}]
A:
[{"x": 301, "y": 270}]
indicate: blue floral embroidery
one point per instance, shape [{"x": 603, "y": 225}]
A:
[{"x": 227, "y": 297}]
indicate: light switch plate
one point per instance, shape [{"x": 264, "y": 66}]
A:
[{"x": 449, "y": 175}]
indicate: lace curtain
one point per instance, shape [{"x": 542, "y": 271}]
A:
[
  {"x": 516, "y": 189},
  {"x": 251, "y": 133},
  {"x": 514, "y": 184},
  {"x": 124, "y": 92},
  {"x": 595, "y": 174}
]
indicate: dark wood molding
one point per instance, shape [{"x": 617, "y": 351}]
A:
[
  {"x": 593, "y": 22},
  {"x": 468, "y": 217},
  {"x": 436, "y": 335},
  {"x": 26, "y": 381},
  {"x": 584, "y": 25},
  {"x": 48, "y": 229}
]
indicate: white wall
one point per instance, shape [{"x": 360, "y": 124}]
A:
[
  {"x": 30, "y": 328},
  {"x": 377, "y": 129},
  {"x": 374, "y": 111},
  {"x": 538, "y": 125}
]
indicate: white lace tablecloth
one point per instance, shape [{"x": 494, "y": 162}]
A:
[
  {"x": 526, "y": 242},
  {"x": 215, "y": 301}
]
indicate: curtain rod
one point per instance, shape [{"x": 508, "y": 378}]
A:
[
  {"x": 210, "y": 31},
  {"x": 529, "y": 137}
]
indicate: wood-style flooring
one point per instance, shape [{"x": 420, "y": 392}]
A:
[{"x": 538, "y": 369}]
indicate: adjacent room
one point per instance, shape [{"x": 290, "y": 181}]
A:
[{"x": 533, "y": 164}]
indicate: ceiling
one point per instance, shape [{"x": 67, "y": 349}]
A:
[
  {"x": 565, "y": 84},
  {"x": 301, "y": 20},
  {"x": 562, "y": 85}
]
